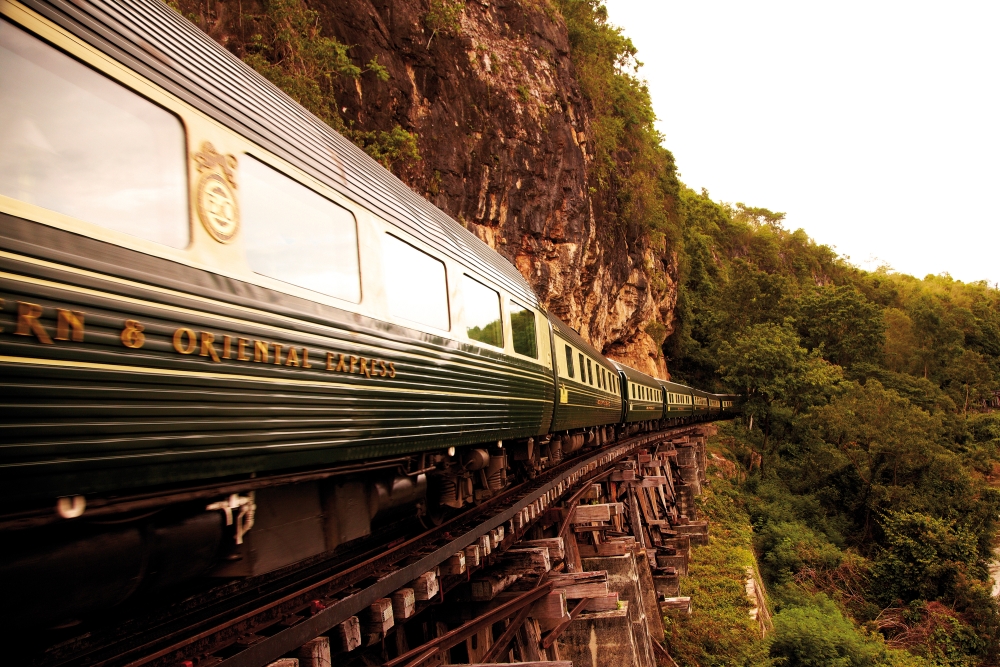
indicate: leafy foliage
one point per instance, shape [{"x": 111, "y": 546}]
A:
[
  {"x": 634, "y": 179},
  {"x": 444, "y": 16},
  {"x": 818, "y": 635},
  {"x": 868, "y": 445},
  {"x": 841, "y": 323}
]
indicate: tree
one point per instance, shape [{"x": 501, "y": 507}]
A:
[
  {"x": 843, "y": 324},
  {"x": 766, "y": 363},
  {"x": 818, "y": 635},
  {"x": 900, "y": 342},
  {"x": 750, "y": 297},
  {"x": 922, "y": 557},
  {"x": 971, "y": 378},
  {"x": 888, "y": 443}
]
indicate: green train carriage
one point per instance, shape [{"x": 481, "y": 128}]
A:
[
  {"x": 211, "y": 303},
  {"x": 642, "y": 396}
]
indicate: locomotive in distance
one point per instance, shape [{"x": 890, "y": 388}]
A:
[{"x": 231, "y": 341}]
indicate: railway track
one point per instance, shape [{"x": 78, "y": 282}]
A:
[{"x": 253, "y": 624}]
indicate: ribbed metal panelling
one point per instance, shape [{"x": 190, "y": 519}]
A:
[
  {"x": 586, "y": 405},
  {"x": 163, "y": 46},
  {"x": 698, "y": 409},
  {"x": 675, "y": 411},
  {"x": 95, "y": 416},
  {"x": 637, "y": 409}
]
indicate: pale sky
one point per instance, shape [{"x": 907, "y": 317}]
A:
[{"x": 873, "y": 125}]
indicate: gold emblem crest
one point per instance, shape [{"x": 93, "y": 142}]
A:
[{"x": 216, "y": 200}]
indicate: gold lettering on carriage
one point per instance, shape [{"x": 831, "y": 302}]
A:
[
  {"x": 50, "y": 326},
  {"x": 69, "y": 323},
  {"x": 219, "y": 348}
]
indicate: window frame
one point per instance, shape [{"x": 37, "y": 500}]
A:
[
  {"x": 391, "y": 230},
  {"x": 534, "y": 318},
  {"x": 357, "y": 236},
  {"x": 500, "y": 308},
  {"x": 93, "y": 59}
]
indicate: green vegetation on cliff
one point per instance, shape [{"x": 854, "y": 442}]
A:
[
  {"x": 634, "y": 186},
  {"x": 283, "y": 41},
  {"x": 719, "y": 631}
]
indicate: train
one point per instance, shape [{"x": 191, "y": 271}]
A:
[{"x": 231, "y": 341}]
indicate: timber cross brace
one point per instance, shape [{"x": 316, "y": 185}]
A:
[{"x": 604, "y": 560}]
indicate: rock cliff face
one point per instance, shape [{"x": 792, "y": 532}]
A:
[{"x": 503, "y": 136}]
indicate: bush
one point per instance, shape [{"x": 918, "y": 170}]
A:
[
  {"x": 818, "y": 635},
  {"x": 790, "y": 547},
  {"x": 923, "y": 558}
]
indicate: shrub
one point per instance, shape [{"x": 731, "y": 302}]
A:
[
  {"x": 818, "y": 635},
  {"x": 790, "y": 547},
  {"x": 923, "y": 557}
]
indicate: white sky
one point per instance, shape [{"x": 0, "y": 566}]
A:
[{"x": 873, "y": 125}]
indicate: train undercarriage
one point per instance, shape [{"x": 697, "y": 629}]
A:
[{"x": 95, "y": 555}]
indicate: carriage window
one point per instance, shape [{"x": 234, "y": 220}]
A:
[
  {"x": 482, "y": 313},
  {"x": 415, "y": 284},
  {"x": 569, "y": 360},
  {"x": 590, "y": 372},
  {"x": 75, "y": 142},
  {"x": 294, "y": 235},
  {"x": 583, "y": 369},
  {"x": 522, "y": 329}
]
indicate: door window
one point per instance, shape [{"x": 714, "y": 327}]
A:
[{"x": 482, "y": 313}]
